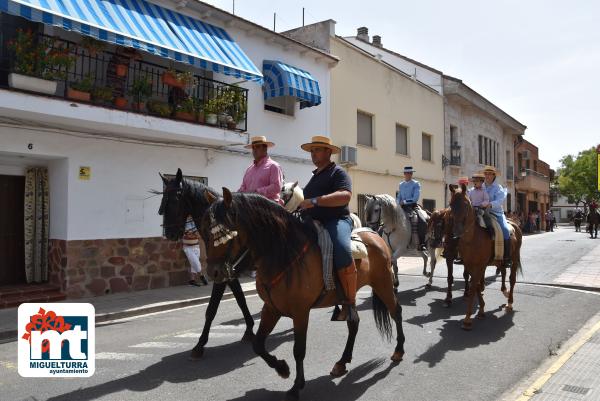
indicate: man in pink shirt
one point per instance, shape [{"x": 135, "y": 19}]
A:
[{"x": 264, "y": 176}]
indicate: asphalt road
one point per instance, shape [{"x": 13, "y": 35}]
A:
[{"x": 146, "y": 358}]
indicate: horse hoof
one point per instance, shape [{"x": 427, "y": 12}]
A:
[
  {"x": 467, "y": 326},
  {"x": 196, "y": 354},
  {"x": 481, "y": 316},
  {"x": 397, "y": 356},
  {"x": 428, "y": 285},
  {"x": 283, "y": 369},
  {"x": 447, "y": 303},
  {"x": 508, "y": 308},
  {"x": 339, "y": 370},
  {"x": 248, "y": 337}
]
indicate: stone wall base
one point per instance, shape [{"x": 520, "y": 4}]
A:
[{"x": 107, "y": 266}]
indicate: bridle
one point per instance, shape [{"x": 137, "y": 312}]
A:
[
  {"x": 221, "y": 235},
  {"x": 180, "y": 205}
]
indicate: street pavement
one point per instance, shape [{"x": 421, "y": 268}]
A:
[{"x": 145, "y": 357}]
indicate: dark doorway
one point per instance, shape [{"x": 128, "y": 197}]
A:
[{"x": 12, "y": 236}]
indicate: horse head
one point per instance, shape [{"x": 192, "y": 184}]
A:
[
  {"x": 291, "y": 195},
  {"x": 436, "y": 227},
  {"x": 173, "y": 206},
  {"x": 460, "y": 206}
]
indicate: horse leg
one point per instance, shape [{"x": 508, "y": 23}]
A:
[
  {"x": 432, "y": 263},
  {"x": 215, "y": 299},
  {"x": 450, "y": 265},
  {"x": 503, "y": 286},
  {"x": 300, "y": 328},
  {"x": 339, "y": 369},
  {"x": 395, "y": 273},
  {"x": 481, "y": 312},
  {"x": 425, "y": 260},
  {"x": 238, "y": 293},
  {"x": 466, "y": 278},
  {"x": 268, "y": 320},
  {"x": 473, "y": 288},
  {"x": 383, "y": 296}
]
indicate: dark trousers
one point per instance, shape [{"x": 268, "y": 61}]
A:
[{"x": 421, "y": 223}]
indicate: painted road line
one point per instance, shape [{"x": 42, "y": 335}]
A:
[
  {"x": 158, "y": 344},
  {"x": 121, "y": 356},
  {"x": 555, "y": 367}
]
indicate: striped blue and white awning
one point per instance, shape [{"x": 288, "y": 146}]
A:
[
  {"x": 145, "y": 26},
  {"x": 284, "y": 80}
]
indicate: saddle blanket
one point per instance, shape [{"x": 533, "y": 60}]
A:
[
  {"x": 499, "y": 239},
  {"x": 359, "y": 251}
]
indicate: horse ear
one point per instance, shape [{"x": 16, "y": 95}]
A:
[
  {"x": 210, "y": 198},
  {"x": 452, "y": 188},
  {"x": 163, "y": 178},
  {"x": 463, "y": 188},
  {"x": 179, "y": 176},
  {"x": 295, "y": 185},
  {"x": 227, "y": 198}
]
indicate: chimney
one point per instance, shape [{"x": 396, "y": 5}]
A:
[
  {"x": 363, "y": 34},
  {"x": 377, "y": 41}
]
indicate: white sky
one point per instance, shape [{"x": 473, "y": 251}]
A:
[{"x": 538, "y": 60}]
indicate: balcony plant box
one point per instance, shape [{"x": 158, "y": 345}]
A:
[
  {"x": 32, "y": 84},
  {"x": 74, "y": 94},
  {"x": 181, "y": 115},
  {"x": 121, "y": 70},
  {"x": 81, "y": 90},
  {"x": 120, "y": 102},
  {"x": 186, "y": 110},
  {"x": 176, "y": 79},
  {"x": 159, "y": 108},
  {"x": 201, "y": 117}
]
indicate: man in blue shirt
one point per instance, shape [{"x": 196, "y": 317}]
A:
[
  {"x": 327, "y": 195},
  {"x": 497, "y": 194},
  {"x": 409, "y": 192}
]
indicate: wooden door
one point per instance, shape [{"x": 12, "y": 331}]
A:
[{"x": 12, "y": 236}]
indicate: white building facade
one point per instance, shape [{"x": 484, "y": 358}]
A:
[{"x": 104, "y": 229}]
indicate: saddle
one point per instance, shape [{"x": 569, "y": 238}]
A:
[{"x": 359, "y": 251}]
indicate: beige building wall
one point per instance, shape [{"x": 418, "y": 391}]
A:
[{"x": 361, "y": 82}]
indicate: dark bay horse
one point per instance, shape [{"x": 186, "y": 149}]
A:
[
  {"x": 593, "y": 220},
  {"x": 182, "y": 197},
  {"x": 290, "y": 275},
  {"x": 477, "y": 251},
  {"x": 577, "y": 219}
]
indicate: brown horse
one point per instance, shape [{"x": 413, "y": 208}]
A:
[
  {"x": 289, "y": 275},
  {"x": 477, "y": 251}
]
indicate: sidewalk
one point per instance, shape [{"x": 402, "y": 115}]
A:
[
  {"x": 574, "y": 375},
  {"x": 128, "y": 304}
]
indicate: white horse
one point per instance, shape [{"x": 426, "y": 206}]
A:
[
  {"x": 292, "y": 196},
  {"x": 382, "y": 211}
]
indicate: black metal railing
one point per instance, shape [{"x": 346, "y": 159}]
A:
[{"x": 123, "y": 80}]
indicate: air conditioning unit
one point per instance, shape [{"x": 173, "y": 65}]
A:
[
  {"x": 526, "y": 155},
  {"x": 348, "y": 155}
]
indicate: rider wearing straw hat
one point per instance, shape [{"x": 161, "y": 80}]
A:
[
  {"x": 497, "y": 194},
  {"x": 264, "y": 175},
  {"x": 327, "y": 195}
]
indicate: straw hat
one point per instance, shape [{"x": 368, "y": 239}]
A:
[
  {"x": 259, "y": 140},
  {"x": 478, "y": 175},
  {"x": 320, "y": 141},
  {"x": 491, "y": 169}
]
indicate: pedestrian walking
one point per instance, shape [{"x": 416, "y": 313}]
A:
[{"x": 191, "y": 248}]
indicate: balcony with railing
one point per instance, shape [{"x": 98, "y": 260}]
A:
[
  {"x": 531, "y": 180},
  {"x": 123, "y": 80}
]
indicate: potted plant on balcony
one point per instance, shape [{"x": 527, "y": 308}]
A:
[
  {"x": 141, "y": 90},
  {"x": 178, "y": 79},
  {"x": 186, "y": 110},
  {"x": 37, "y": 64},
  {"x": 120, "y": 102},
  {"x": 238, "y": 109},
  {"x": 81, "y": 90},
  {"x": 102, "y": 95},
  {"x": 159, "y": 108},
  {"x": 211, "y": 109},
  {"x": 93, "y": 46}
]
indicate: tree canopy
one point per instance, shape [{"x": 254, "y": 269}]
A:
[{"x": 578, "y": 177}]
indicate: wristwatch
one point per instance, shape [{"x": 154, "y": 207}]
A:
[{"x": 314, "y": 201}]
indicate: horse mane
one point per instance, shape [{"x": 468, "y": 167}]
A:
[
  {"x": 391, "y": 213},
  {"x": 274, "y": 236},
  {"x": 196, "y": 190}
]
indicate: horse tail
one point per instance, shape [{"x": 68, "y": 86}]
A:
[{"x": 382, "y": 317}]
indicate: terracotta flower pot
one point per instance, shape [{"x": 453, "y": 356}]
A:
[
  {"x": 121, "y": 70},
  {"x": 180, "y": 115},
  {"x": 120, "y": 102},
  {"x": 201, "y": 118},
  {"x": 138, "y": 106},
  {"x": 170, "y": 80},
  {"x": 78, "y": 95}
]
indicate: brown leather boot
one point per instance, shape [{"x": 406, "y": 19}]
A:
[{"x": 348, "y": 277}]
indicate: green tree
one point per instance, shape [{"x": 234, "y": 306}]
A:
[{"x": 577, "y": 177}]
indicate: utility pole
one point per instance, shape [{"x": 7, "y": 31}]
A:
[
  {"x": 302, "y": 16},
  {"x": 274, "y": 21},
  {"x": 233, "y": 11}
]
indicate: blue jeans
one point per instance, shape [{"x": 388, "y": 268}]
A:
[
  {"x": 503, "y": 224},
  {"x": 340, "y": 230}
]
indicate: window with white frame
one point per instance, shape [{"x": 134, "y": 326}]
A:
[
  {"x": 364, "y": 128},
  {"x": 488, "y": 151},
  {"x": 401, "y": 140},
  {"x": 426, "y": 147}
]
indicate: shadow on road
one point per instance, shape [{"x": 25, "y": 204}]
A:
[
  {"x": 177, "y": 368},
  {"x": 351, "y": 387}
]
